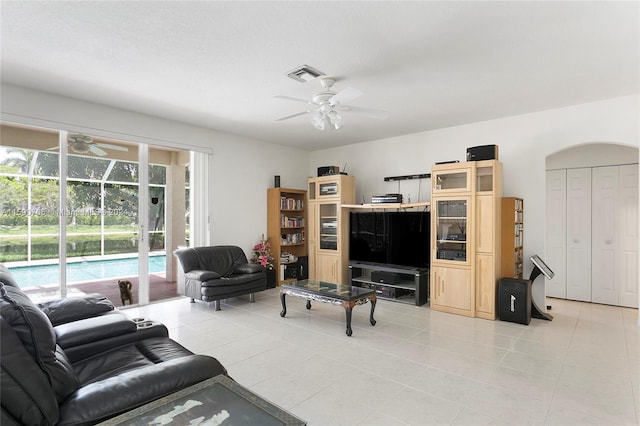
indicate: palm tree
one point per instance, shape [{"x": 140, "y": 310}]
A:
[{"x": 18, "y": 158}]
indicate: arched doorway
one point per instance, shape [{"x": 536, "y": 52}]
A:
[{"x": 592, "y": 223}]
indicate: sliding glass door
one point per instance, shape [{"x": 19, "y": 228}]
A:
[
  {"x": 102, "y": 219},
  {"x": 29, "y": 206},
  {"x": 107, "y": 221}
]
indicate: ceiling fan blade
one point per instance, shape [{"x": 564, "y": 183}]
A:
[
  {"x": 109, "y": 146},
  {"x": 97, "y": 151},
  {"x": 345, "y": 96},
  {"x": 292, "y": 115},
  {"x": 289, "y": 98},
  {"x": 367, "y": 112}
]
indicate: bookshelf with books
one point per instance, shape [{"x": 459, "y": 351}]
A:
[
  {"x": 286, "y": 226},
  {"x": 512, "y": 237}
]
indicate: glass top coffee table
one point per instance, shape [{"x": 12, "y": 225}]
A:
[
  {"x": 216, "y": 401},
  {"x": 336, "y": 294}
]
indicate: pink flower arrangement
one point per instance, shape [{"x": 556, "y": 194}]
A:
[{"x": 262, "y": 253}]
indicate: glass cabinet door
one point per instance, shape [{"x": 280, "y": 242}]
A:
[
  {"x": 484, "y": 179},
  {"x": 451, "y": 230},
  {"x": 328, "y": 189},
  {"x": 328, "y": 226},
  {"x": 451, "y": 180}
]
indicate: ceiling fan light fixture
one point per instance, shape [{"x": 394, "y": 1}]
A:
[
  {"x": 80, "y": 143},
  {"x": 318, "y": 120},
  {"x": 326, "y": 105},
  {"x": 79, "y": 147},
  {"x": 329, "y": 121},
  {"x": 335, "y": 119}
]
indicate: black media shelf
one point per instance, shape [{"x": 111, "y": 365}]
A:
[{"x": 410, "y": 285}]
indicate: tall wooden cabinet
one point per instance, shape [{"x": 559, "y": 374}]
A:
[
  {"x": 512, "y": 237},
  {"x": 329, "y": 227},
  {"x": 286, "y": 229},
  {"x": 488, "y": 230},
  {"x": 452, "y": 275},
  {"x": 465, "y": 232}
]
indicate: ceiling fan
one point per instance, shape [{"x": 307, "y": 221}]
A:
[
  {"x": 326, "y": 106},
  {"x": 83, "y": 144}
]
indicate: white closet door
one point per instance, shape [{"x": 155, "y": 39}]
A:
[
  {"x": 579, "y": 234},
  {"x": 556, "y": 249},
  {"x": 605, "y": 236},
  {"x": 628, "y": 288}
]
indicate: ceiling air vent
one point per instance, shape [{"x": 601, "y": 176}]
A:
[{"x": 304, "y": 73}]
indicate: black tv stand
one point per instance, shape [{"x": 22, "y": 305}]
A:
[{"x": 410, "y": 285}]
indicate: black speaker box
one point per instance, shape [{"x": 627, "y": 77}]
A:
[
  {"x": 303, "y": 267},
  {"x": 385, "y": 277},
  {"x": 328, "y": 170},
  {"x": 514, "y": 300},
  {"x": 482, "y": 152}
]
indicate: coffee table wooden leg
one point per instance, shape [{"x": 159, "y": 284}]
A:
[
  {"x": 308, "y": 303},
  {"x": 373, "y": 308},
  {"x": 348, "y": 310},
  {"x": 284, "y": 305}
]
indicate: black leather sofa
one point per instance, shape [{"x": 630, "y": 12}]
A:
[
  {"x": 219, "y": 272},
  {"x": 79, "y": 361}
]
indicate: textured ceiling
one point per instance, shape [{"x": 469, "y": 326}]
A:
[{"x": 220, "y": 64}]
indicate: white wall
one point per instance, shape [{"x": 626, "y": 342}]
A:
[
  {"x": 243, "y": 169},
  {"x": 524, "y": 141}
]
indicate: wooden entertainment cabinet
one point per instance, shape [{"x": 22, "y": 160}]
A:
[
  {"x": 465, "y": 237},
  {"x": 328, "y": 229},
  {"x": 410, "y": 285}
]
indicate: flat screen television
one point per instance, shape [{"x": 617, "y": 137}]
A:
[{"x": 396, "y": 238}]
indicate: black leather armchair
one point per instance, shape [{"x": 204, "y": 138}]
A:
[
  {"x": 219, "y": 272},
  {"x": 96, "y": 363}
]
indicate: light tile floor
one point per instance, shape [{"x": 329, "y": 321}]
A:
[{"x": 418, "y": 366}]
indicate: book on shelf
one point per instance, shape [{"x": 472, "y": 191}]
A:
[
  {"x": 517, "y": 272},
  {"x": 291, "y": 222},
  {"x": 518, "y": 234},
  {"x": 518, "y": 256},
  {"x": 288, "y": 203},
  {"x": 290, "y": 239}
]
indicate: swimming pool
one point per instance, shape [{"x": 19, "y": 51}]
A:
[{"x": 92, "y": 270}]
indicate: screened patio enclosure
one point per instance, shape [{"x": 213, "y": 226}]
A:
[{"x": 66, "y": 202}]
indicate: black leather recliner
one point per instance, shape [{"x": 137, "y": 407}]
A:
[
  {"x": 219, "y": 272},
  {"x": 94, "y": 364}
]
